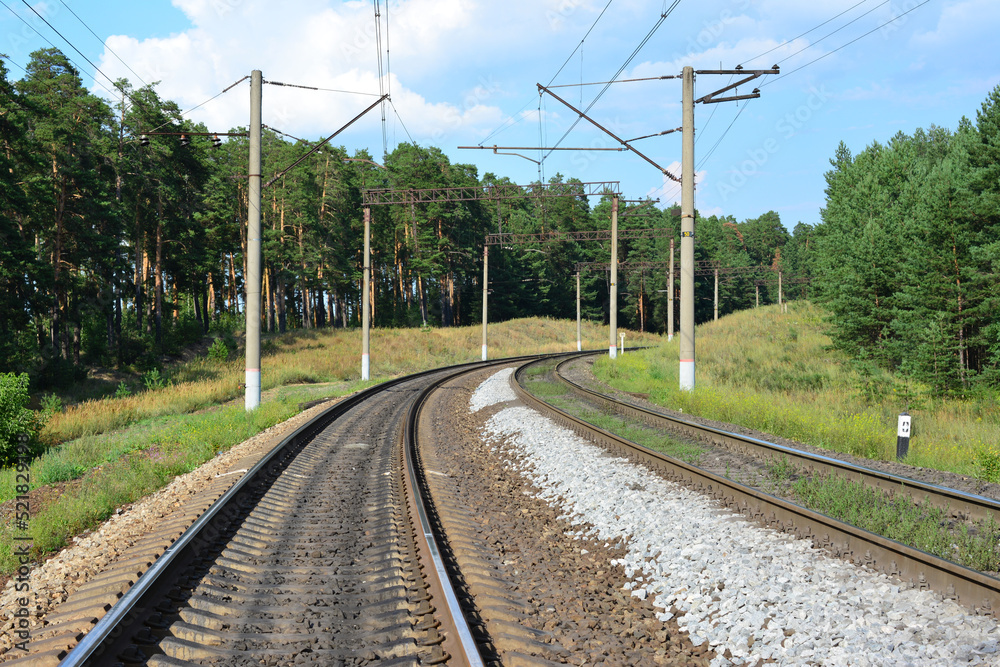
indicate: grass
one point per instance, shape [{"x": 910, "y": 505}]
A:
[
  {"x": 123, "y": 448},
  {"x": 558, "y": 395},
  {"x": 778, "y": 373},
  {"x": 896, "y": 517}
]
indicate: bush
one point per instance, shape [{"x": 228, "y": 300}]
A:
[
  {"x": 219, "y": 350},
  {"x": 153, "y": 380},
  {"x": 17, "y": 422}
]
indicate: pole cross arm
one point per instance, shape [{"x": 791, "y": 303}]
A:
[
  {"x": 506, "y": 239},
  {"x": 379, "y": 197},
  {"x": 753, "y": 74},
  {"x": 609, "y": 133}
]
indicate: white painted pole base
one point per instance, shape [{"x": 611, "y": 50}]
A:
[
  {"x": 252, "y": 399},
  {"x": 365, "y": 375},
  {"x": 579, "y": 346},
  {"x": 687, "y": 375},
  {"x": 484, "y": 353},
  {"x": 613, "y": 351},
  {"x": 670, "y": 337}
]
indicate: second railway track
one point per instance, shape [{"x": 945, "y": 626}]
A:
[
  {"x": 324, "y": 554},
  {"x": 978, "y": 591}
]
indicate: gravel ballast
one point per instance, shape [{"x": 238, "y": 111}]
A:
[{"x": 751, "y": 593}]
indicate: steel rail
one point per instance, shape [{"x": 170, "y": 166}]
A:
[
  {"x": 108, "y": 627},
  {"x": 962, "y": 505},
  {"x": 965, "y": 585}
]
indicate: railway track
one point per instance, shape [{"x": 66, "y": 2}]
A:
[
  {"x": 322, "y": 552},
  {"x": 376, "y": 533},
  {"x": 976, "y": 590}
]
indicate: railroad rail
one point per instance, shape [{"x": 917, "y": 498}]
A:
[
  {"x": 969, "y": 587},
  {"x": 268, "y": 559}
]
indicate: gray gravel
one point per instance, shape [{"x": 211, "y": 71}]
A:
[{"x": 750, "y": 592}]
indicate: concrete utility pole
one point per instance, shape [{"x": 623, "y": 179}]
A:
[
  {"x": 579, "y": 340},
  {"x": 366, "y": 316},
  {"x": 252, "y": 397},
  {"x": 716, "y": 295},
  {"x": 486, "y": 285},
  {"x": 687, "y": 373},
  {"x": 613, "y": 348},
  {"x": 670, "y": 295}
]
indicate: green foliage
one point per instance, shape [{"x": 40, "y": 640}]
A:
[
  {"x": 219, "y": 351},
  {"x": 906, "y": 255},
  {"x": 123, "y": 390},
  {"x": 987, "y": 460},
  {"x": 153, "y": 380},
  {"x": 19, "y": 426},
  {"x": 896, "y": 517},
  {"x": 51, "y": 404}
]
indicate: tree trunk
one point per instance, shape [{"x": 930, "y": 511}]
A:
[
  {"x": 158, "y": 281},
  {"x": 139, "y": 275},
  {"x": 279, "y": 289},
  {"x": 423, "y": 300}
]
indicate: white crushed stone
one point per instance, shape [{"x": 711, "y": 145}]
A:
[
  {"x": 728, "y": 581},
  {"x": 494, "y": 390}
]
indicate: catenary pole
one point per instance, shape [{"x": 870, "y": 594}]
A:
[
  {"x": 579, "y": 341},
  {"x": 486, "y": 286},
  {"x": 613, "y": 348},
  {"x": 365, "y": 306},
  {"x": 252, "y": 397},
  {"x": 670, "y": 295},
  {"x": 716, "y": 300},
  {"x": 687, "y": 370}
]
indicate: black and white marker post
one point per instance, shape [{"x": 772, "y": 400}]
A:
[{"x": 903, "y": 437}]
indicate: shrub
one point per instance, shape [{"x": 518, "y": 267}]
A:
[
  {"x": 219, "y": 350},
  {"x": 153, "y": 380},
  {"x": 17, "y": 422}
]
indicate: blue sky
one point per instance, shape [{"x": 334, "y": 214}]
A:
[{"x": 464, "y": 72}]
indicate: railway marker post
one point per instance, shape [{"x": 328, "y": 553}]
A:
[{"x": 903, "y": 436}]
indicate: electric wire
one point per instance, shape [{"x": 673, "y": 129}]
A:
[
  {"x": 628, "y": 61},
  {"x": 381, "y": 73},
  {"x": 400, "y": 118},
  {"x": 895, "y": 18},
  {"x": 789, "y": 41},
  {"x": 587, "y": 34},
  {"x": 44, "y": 20},
  {"x": 102, "y": 42},
  {"x": 327, "y": 90},
  {"x": 198, "y": 106},
  {"x": 23, "y": 20},
  {"x": 517, "y": 117},
  {"x": 857, "y": 18}
]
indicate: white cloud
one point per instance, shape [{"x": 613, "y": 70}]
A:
[{"x": 318, "y": 44}]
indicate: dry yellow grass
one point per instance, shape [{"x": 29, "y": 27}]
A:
[
  {"x": 327, "y": 355},
  {"x": 777, "y": 372}
]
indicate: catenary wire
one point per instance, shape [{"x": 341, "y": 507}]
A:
[
  {"x": 893, "y": 19},
  {"x": 789, "y": 41},
  {"x": 857, "y": 18},
  {"x": 621, "y": 69},
  {"x": 102, "y": 42}
]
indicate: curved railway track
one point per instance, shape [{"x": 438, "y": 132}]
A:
[
  {"x": 971, "y": 588},
  {"x": 354, "y": 541},
  {"x": 321, "y": 552}
]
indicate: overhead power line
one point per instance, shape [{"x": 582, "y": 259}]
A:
[
  {"x": 329, "y": 90},
  {"x": 102, "y": 42},
  {"x": 628, "y": 61},
  {"x": 815, "y": 27},
  {"x": 893, "y": 19}
]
